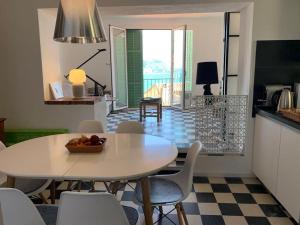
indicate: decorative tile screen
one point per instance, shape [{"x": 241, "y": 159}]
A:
[{"x": 221, "y": 123}]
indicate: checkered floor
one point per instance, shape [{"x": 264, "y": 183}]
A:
[
  {"x": 217, "y": 201},
  {"x": 176, "y": 125}
]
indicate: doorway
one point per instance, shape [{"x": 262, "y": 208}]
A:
[{"x": 159, "y": 64}]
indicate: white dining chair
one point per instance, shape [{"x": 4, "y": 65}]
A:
[
  {"x": 30, "y": 186},
  {"x": 18, "y": 209},
  {"x": 87, "y": 126},
  {"x": 79, "y": 208},
  {"x": 131, "y": 127},
  {"x": 127, "y": 127},
  {"x": 2, "y": 175},
  {"x": 90, "y": 126},
  {"x": 172, "y": 189}
]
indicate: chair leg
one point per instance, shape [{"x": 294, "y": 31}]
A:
[
  {"x": 161, "y": 211},
  {"x": 152, "y": 208},
  {"x": 43, "y": 198},
  {"x": 92, "y": 183},
  {"x": 114, "y": 187},
  {"x": 144, "y": 114},
  {"x": 69, "y": 185},
  {"x": 107, "y": 187},
  {"x": 158, "y": 112},
  {"x": 79, "y": 183},
  {"x": 179, "y": 214},
  {"x": 183, "y": 214},
  {"x": 141, "y": 112},
  {"x": 52, "y": 192}
]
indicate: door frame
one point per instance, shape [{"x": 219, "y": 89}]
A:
[
  {"x": 114, "y": 108},
  {"x": 182, "y": 100}
]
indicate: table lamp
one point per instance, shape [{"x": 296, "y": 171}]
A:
[
  {"x": 207, "y": 74},
  {"x": 77, "y": 77}
]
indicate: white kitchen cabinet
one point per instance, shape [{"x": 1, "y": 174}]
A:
[
  {"x": 288, "y": 189},
  {"x": 266, "y": 151}
]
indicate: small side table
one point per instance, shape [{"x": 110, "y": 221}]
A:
[
  {"x": 2, "y": 129},
  {"x": 157, "y": 102}
]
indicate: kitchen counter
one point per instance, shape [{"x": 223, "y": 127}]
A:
[
  {"x": 91, "y": 100},
  {"x": 271, "y": 113},
  {"x": 68, "y": 112}
]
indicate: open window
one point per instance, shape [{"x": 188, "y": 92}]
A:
[{"x": 119, "y": 67}]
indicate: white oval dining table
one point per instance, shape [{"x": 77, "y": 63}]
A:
[{"x": 124, "y": 157}]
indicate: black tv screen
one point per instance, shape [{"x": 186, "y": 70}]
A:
[{"x": 277, "y": 62}]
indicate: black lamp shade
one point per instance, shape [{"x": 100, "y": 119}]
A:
[{"x": 207, "y": 73}]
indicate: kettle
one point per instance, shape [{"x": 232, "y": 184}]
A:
[{"x": 285, "y": 100}]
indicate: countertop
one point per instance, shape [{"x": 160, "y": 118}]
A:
[
  {"x": 75, "y": 101},
  {"x": 271, "y": 113}
]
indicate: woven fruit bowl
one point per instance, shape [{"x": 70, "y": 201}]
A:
[{"x": 94, "y": 144}]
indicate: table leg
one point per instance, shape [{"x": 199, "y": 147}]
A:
[
  {"x": 10, "y": 183},
  {"x": 158, "y": 112},
  {"x": 53, "y": 192},
  {"x": 146, "y": 200},
  {"x": 141, "y": 112},
  {"x": 160, "y": 106}
]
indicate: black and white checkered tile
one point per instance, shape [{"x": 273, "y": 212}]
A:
[
  {"x": 217, "y": 201},
  {"x": 176, "y": 125}
]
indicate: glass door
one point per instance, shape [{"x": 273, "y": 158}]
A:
[
  {"x": 178, "y": 66},
  {"x": 118, "y": 67}
]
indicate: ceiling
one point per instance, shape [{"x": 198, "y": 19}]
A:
[
  {"x": 139, "y": 7},
  {"x": 163, "y": 2}
]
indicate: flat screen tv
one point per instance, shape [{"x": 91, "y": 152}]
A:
[{"x": 277, "y": 62}]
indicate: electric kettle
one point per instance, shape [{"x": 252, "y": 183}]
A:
[{"x": 285, "y": 100}]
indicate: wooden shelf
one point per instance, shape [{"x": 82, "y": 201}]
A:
[{"x": 75, "y": 101}]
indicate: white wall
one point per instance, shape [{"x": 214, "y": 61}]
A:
[
  {"x": 270, "y": 20},
  {"x": 208, "y": 33},
  {"x": 276, "y": 20},
  {"x": 273, "y": 20},
  {"x": 21, "y": 79},
  {"x": 236, "y": 165},
  {"x": 59, "y": 58},
  {"x": 49, "y": 51}
]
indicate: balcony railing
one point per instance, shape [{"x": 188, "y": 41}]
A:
[
  {"x": 162, "y": 88},
  {"x": 158, "y": 88}
]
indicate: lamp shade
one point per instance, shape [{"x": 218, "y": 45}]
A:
[
  {"x": 77, "y": 76},
  {"x": 207, "y": 73},
  {"x": 79, "y": 21}
]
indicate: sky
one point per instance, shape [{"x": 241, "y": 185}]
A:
[{"x": 157, "y": 45}]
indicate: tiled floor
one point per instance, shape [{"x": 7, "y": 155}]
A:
[
  {"x": 176, "y": 125},
  {"x": 218, "y": 201}
]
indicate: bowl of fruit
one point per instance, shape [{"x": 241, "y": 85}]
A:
[{"x": 94, "y": 144}]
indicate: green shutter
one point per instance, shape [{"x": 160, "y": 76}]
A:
[{"x": 135, "y": 67}]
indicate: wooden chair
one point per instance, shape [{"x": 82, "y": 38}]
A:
[{"x": 156, "y": 102}]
